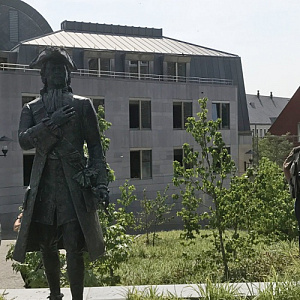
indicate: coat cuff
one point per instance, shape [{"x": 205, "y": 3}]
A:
[{"x": 45, "y": 135}]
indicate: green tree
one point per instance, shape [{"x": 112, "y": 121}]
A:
[
  {"x": 211, "y": 168},
  {"x": 262, "y": 203},
  {"x": 154, "y": 212},
  {"x": 275, "y": 148},
  {"x": 115, "y": 223}
]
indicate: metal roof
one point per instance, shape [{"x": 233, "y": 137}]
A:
[
  {"x": 264, "y": 109},
  {"x": 95, "y": 41}
]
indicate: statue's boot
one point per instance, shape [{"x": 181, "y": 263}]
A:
[
  {"x": 55, "y": 297},
  {"x": 52, "y": 269},
  {"x": 75, "y": 270}
]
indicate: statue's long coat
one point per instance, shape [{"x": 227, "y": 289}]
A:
[{"x": 35, "y": 132}]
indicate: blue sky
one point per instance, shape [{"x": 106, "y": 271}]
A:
[{"x": 264, "y": 33}]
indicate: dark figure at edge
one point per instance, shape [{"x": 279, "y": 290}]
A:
[{"x": 290, "y": 169}]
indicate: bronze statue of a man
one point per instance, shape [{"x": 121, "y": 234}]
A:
[{"x": 59, "y": 209}]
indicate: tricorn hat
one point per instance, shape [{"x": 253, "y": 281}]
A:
[{"x": 53, "y": 53}]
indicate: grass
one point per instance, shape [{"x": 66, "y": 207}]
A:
[
  {"x": 274, "y": 291},
  {"x": 171, "y": 262},
  {"x": 3, "y": 296}
]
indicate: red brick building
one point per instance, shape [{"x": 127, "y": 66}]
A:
[{"x": 289, "y": 120}]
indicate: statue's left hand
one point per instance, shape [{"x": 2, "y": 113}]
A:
[{"x": 102, "y": 194}]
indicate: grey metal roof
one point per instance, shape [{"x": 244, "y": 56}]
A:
[
  {"x": 264, "y": 109},
  {"x": 70, "y": 39}
]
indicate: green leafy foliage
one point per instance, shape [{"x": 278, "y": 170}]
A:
[
  {"x": 209, "y": 169},
  {"x": 259, "y": 202},
  {"x": 32, "y": 270},
  {"x": 154, "y": 212},
  {"x": 115, "y": 222},
  {"x": 275, "y": 148}
]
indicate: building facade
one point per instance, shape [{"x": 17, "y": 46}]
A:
[
  {"x": 263, "y": 111},
  {"x": 148, "y": 84},
  {"x": 288, "y": 121}
]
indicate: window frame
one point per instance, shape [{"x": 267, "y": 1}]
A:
[
  {"x": 30, "y": 97},
  {"x": 141, "y": 165},
  {"x": 176, "y": 67},
  {"x": 183, "y": 117},
  {"x": 221, "y": 114},
  {"x": 101, "y": 101},
  {"x": 183, "y": 155},
  {"x": 141, "y": 120},
  {"x": 138, "y": 64},
  {"x": 99, "y": 71}
]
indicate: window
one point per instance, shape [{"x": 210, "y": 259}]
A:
[
  {"x": 140, "y": 114},
  {"x": 28, "y": 98},
  {"x": 138, "y": 69},
  {"x": 176, "y": 71},
  {"x": 3, "y": 60},
  {"x": 221, "y": 111},
  {"x": 179, "y": 156},
  {"x": 97, "y": 102},
  {"x": 27, "y": 166},
  {"x": 181, "y": 111},
  {"x": 141, "y": 164},
  {"x": 101, "y": 66}
]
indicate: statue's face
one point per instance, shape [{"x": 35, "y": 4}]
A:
[{"x": 56, "y": 75}]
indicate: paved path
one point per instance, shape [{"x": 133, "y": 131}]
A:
[{"x": 8, "y": 278}]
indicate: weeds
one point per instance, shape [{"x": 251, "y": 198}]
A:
[{"x": 171, "y": 262}]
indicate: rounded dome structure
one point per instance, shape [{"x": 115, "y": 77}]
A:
[{"x": 19, "y": 22}]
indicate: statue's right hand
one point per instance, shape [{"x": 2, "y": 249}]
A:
[{"x": 63, "y": 115}]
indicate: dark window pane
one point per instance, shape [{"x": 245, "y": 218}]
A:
[
  {"x": 27, "y": 166},
  {"x": 134, "y": 114},
  {"x": 171, "y": 68},
  {"x": 3, "y": 60},
  {"x": 187, "y": 164},
  {"x": 181, "y": 71},
  {"x": 133, "y": 66},
  {"x": 177, "y": 115},
  {"x": 188, "y": 111},
  {"x": 146, "y": 164},
  {"x": 146, "y": 114},
  {"x": 135, "y": 168},
  {"x": 105, "y": 64},
  {"x": 225, "y": 116},
  {"x": 216, "y": 111},
  {"x": 97, "y": 103},
  {"x": 93, "y": 64},
  {"x": 144, "y": 67},
  {"x": 178, "y": 156},
  {"x": 26, "y": 99}
]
